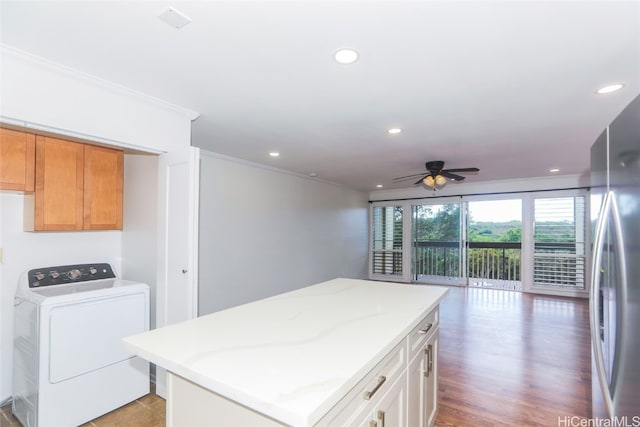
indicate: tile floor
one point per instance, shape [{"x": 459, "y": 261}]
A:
[{"x": 147, "y": 411}]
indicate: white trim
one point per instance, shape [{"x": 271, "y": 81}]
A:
[
  {"x": 91, "y": 79},
  {"x": 194, "y": 207},
  {"x": 12, "y": 123}
]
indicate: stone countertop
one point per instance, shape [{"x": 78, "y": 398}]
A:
[{"x": 293, "y": 356}]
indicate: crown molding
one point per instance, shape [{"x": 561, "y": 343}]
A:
[
  {"x": 212, "y": 154},
  {"x": 10, "y": 51}
]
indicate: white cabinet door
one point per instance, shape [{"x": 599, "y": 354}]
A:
[
  {"x": 430, "y": 368},
  {"x": 416, "y": 398},
  {"x": 391, "y": 410}
]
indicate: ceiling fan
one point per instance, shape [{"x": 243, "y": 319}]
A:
[{"x": 437, "y": 175}]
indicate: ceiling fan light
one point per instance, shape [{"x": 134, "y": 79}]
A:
[
  {"x": 429, "y": 181},
  {"x": 441, "y": 180}
]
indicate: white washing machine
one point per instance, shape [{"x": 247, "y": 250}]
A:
[{"x": 70, "y": 364}]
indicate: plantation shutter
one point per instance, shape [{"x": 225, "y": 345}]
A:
[
  {"x": 559, "y": 236},
  {"x": 387, "y": 240}
]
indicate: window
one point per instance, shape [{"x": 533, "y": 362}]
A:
[
  {"x": 387, "y": 249},
  {"x": 531, "y": 241},
  {"x": 559, "y": 242}
]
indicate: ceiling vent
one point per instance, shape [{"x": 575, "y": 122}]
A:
[{"x": 174, "y": 18}]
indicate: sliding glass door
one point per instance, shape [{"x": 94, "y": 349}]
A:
[
  {"x": 536, "y": 242},
  {"x": 437, "y": 246},
  {"x": 494, "y": 243}
]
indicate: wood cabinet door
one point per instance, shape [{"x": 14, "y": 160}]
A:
[
  {"x": 17, "y": 160},
  {"x": 103, "y": 177},
  {"x": 59, "y": 184}
]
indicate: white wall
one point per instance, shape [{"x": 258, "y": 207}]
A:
[
  {"x": 140, "y": 223},
  {"x": 486, "y": 187},
  {"x": 43, "y": 95},
  {"x": 264, "y": 232}
]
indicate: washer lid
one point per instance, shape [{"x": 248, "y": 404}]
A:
[{"x": 81, "y": 291}]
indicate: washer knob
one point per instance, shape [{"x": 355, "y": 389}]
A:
[
  {"x": 93, "y": 270},
  {"x": 39, "y": 276},
  {"x": 74, "y": 274},
  {"x": 54, "y": 274}
]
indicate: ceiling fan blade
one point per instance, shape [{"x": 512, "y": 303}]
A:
[
  {"x": 452, "y": 176},
  {"x": 408, "y": 176},
  {"x": 462, "y": 170},
  {"x": 420, "y": 180}
]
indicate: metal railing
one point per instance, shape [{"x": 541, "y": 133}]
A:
[
  {"x": 494, "y": 260},
  {"x": 485, "y": 260},
  {"x": 489, "y": 263}
]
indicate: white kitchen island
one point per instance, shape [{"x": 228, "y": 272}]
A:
[{"x": 343, "y": 352}]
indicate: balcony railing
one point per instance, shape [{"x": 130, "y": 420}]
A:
[
  {"x": 486, "y": 260},
  {"x": 489, "y": 264}
]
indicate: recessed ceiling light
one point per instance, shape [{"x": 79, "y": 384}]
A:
[
  {"x": 274, "y": 154},
  {"x": 554, "y": 170},
  {"x": 346, "y": 56},
  {"x": 394, "y": 131},
  {"x": 610, "y": 88},
  {"x": 313, "y": 174},
  {"x": 379, "y": 186},
  {"x": 174, "y": 18}
]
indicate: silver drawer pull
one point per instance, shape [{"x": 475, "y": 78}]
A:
[
  {"x": 369, "y": 394},
  {"x": 425, "y": 330}
]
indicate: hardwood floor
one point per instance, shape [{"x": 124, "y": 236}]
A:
[
  {"x": 506, "y": 359},
  {"x": 512, "y": 359}
]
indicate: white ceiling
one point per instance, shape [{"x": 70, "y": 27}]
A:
[{"x": 506, "y": 86}]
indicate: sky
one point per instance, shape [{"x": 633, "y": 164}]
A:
[{"x": 496, "y": 210}]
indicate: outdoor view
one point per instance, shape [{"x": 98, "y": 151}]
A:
[
  {"x": 492, "y": 255},
  {"x": 494, "y": 233},
  {"x": 495, "y": 244}
]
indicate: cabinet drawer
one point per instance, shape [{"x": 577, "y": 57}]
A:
[
  {"x": 420, "y": 333},
  {"x": 365, "y": 395}
]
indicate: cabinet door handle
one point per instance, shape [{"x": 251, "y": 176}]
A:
[
  {"x": 425, "y": 330},
  {"x": 369, "y": 394},
  {"x": 381, "y": 418},
  {"x": 428, "y": 352}
]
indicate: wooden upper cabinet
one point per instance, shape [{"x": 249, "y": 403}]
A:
[
  {"x": 77, "y": 186},
  {"x": 17, "y": 160},
  {"x": 59, "y": 184},
  {"x": 103, "y": 172}
]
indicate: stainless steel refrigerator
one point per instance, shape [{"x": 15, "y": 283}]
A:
[{"x": 615, "y": 274}]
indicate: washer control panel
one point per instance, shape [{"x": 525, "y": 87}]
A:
[{"x": 64, "y": 274}]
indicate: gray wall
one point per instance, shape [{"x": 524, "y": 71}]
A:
[
  {"x": 265, "y": 231},
  {"x": 140, "y": 225}
]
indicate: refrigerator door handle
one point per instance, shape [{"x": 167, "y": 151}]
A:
[
  {"x": 594, "y": 296},
  {"x": 621, "y": 291}
]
